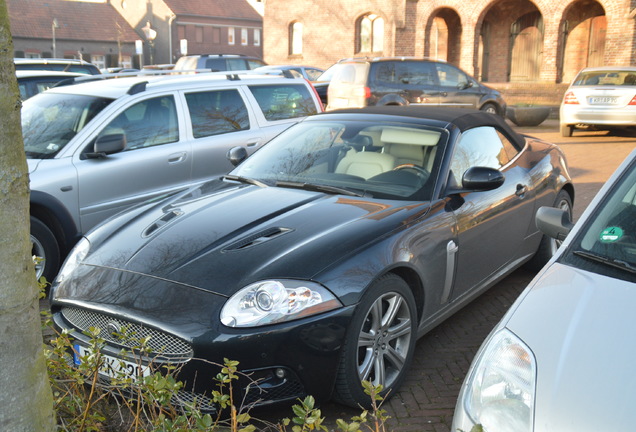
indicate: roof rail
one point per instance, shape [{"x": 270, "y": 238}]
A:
[{"x": 233, "y": 77}]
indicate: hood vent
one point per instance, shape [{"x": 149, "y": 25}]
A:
[
  {"x": 161, "y": 222},
  {"x": 258, "y": 238}
]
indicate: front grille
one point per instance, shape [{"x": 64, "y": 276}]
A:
[
  {"x": 129, "y": 335},
  {"x": 189, "y": 400}
]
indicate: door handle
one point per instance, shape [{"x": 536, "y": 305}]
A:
[
  {"x": 253, "y": 143},
  {"x": 521, "y": 190},
  {"x": 176, "y": 158}
]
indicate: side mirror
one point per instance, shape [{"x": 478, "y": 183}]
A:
[
  {"x": 554, "y": 222},
  {"x": 107, "y": 144},
  {"x": 478, "y": 179},
  {"x": 236, "y": 155}
]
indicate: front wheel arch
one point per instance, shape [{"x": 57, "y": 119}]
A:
[{"x": 379, "y": 342}]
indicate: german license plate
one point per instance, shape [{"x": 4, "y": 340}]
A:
[
  {"x": 113, "y": 367},
  {"x": 603, "y": 100}
]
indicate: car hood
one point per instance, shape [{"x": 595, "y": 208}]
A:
[
  {"x": 579, "y": 326},
  {"x": 220, "y": 237}
]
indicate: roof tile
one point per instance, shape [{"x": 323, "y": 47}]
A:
[{"x": 76, "y": 20}]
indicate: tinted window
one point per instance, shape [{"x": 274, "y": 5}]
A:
[
  {"x": 398, "y": 73},
  {"x": 450, "y": 76},
  {"x": 279, "y": 102},
  {"x": 217, "y": 112},
  {"x": 147, "y": 123},
  {"x": 481, "y": 146},
  {"x": 236, "y": 64},
  {"x": 215, "y": 64}
]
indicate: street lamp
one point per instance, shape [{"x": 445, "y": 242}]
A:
[
  {"x": 54, "y": 26},
  {"x": 150, "y": 37}
]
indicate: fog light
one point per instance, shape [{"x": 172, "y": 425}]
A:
[{"x": 280, "y": 373}]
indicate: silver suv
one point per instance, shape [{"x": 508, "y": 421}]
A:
[{"x": 99, "y": 147}]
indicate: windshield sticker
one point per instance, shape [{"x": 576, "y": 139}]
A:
[{"x": 611, "y": 234}]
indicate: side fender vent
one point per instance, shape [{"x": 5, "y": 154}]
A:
[{"x": 258, "y": 238}]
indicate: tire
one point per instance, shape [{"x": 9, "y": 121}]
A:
[
  {"x": 566, "y": 130},
  {"x": 489, "y": 108},
  {"x": 375, "y": 352},
  {"x": 46, "y": 248},
  {"x": 548, "y": 246}
]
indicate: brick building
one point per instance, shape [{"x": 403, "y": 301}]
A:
[
  {"x": 519, "y": 44},
  {"x": 108, "y": 32},
  {"x": 94, "y": 32}
]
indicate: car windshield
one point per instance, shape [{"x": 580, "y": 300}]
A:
[
  {"x": 386, "y": 160},
  {"x": 609, "y": 236},
  {"x": 51, "y": 120},
  {"x": 616, "y": 77}
]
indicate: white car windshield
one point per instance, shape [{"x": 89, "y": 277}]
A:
[
  {"x": 386, "y": 160},
  {"x": 51, "y": 120},
  {"x": 610, "y": 235}
]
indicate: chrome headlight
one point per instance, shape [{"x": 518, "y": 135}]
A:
[
  {"x": 74, "y": 259},
  {"x": 273, "y": 301},
  {"x": 500, "y": 392}
]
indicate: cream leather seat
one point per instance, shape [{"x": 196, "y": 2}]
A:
[{"x": 365, "y": 164}]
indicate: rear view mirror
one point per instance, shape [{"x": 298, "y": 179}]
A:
[
  {"x": 236, "y": 155},
  {"x": 107, "y": 144},
  {"x": 482, "y": 179},
  {"x": 554, "y": 222}
]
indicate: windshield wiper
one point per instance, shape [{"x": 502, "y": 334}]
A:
[
  {"x": 244, "y": 180},
  {"x": 623, "y": 265},
  {"x": 318, "y": 188}
]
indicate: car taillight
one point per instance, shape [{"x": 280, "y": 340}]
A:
[
  {"x": 633, "y": 101},
  {"x": 322, "y": 107},
  {"x": 569, "y": 98},
  {"x": 367, "y": 92}
]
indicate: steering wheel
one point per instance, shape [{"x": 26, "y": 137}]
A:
[{"x": 418, "y": 170}]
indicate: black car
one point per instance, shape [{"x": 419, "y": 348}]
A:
[
  {"x": 217, "y": 62},
  {"x": 32, "y": 82},
  {"x": 320, "y": 259},
  {"x": 363, "y": 81},
  {"x": 60, "y": 65}
]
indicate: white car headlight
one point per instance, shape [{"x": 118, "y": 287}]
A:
[
  {"x": 74, "y": 259},
  {"x": 501, "y": 389},
  {"x": 273, "y": 301}
]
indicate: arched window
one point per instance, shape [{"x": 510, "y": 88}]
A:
[
  {"x": 296, "y": 38},
  {"x": 371, "y": 33}
]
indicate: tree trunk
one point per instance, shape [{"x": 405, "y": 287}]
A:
[{"x": 26, "y": 403}]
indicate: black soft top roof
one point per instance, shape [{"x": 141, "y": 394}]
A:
[{"x": 463, "y": 118}]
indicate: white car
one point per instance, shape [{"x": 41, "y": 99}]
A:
[
  {"x": 99, "y": 147},
  {"x": 562, "y": 358},
  {"x": 601, "y": 98}
]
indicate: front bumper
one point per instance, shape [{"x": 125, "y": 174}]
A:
[
  {"x": 586, "y": 115},
  {"x": 277, "y": 364}
]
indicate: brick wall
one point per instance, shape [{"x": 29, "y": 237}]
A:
[{"x": 329, "y": 32}]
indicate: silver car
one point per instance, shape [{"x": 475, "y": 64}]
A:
[
  {"x": 100, "y": 147},
  {"x": 601, "y": 98},
  {"x": 562, "y": 358}
]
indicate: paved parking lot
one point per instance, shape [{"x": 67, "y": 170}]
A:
[{"x": 427, "y": 399}]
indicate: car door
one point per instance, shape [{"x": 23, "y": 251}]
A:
[
  {"x": 219, "y": 120},
  {"x": 492, "y": 225},
  {"x": 456, "y": 88},
  {"x": 155, "y": 161}
]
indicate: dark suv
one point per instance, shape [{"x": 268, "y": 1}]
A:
[
  {"x": 360, "y": 82},
  {"x": 218, "y": 62}
]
